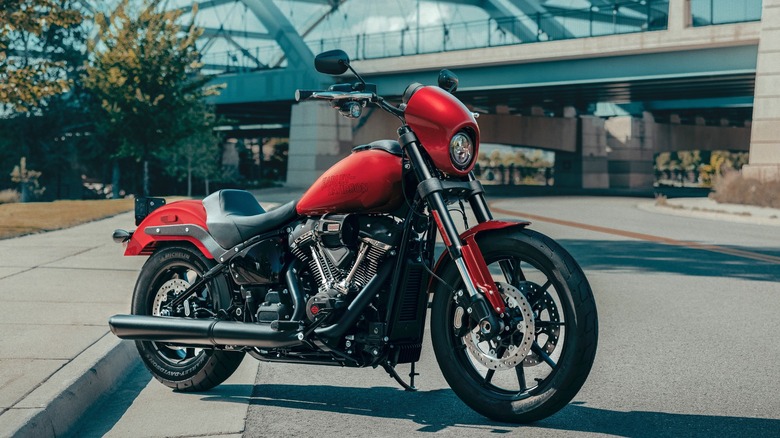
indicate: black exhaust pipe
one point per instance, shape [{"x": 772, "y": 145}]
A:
[
  {"x": 200, "y": 332},
  {"x": 208, "y": 332}
]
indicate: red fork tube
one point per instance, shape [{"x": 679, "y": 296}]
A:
[{"x": 466, "y": 255}]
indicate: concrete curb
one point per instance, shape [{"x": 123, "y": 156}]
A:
[
  {"x": 54, "y": 407},
  {"x": 679, "y": 208}
]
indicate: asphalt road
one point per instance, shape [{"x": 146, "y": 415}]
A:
[{"x": 689, "y": 315}]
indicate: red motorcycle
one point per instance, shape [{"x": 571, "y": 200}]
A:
[{"x": 343, "y": 275}]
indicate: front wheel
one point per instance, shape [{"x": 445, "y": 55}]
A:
[{"x": 537, "y": 365}]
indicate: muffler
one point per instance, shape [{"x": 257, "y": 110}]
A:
[{"x": 200, "y": 332}]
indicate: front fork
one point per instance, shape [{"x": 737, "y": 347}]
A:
[{"x": 483, "y": 301}]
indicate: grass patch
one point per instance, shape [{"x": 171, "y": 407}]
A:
[
  {"x": 661, "y": 201},
  {"x": 18, "y": 219}
]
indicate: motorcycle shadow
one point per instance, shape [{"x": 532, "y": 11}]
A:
[
  {"x": 439, "y": 410},
  {"x": 434, "y": 410}
]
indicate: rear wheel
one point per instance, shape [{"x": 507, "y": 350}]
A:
[
  {"x": 165, "y": 274},
  {"x": 542, "y": 360}
]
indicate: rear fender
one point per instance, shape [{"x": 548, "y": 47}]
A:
[
  {"x": 469, "y": 237},
  {"x": 182, "y": 221}
]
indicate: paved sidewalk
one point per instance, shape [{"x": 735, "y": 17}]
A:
[{"x": 57, "y": 291}]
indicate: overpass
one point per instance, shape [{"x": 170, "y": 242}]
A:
[{"x": 605, "y": 87}]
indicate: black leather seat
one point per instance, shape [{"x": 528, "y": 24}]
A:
[{"x": 234, "y": 216}]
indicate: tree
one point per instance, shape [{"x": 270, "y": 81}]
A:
[
  {"x": 197, "y": 154},
  {"x": 146, "y": 82},
  {"x": 32, "y": 35},
  {"x": 42, "y": 45}
]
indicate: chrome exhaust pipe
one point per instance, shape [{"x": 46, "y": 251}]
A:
[{"x": 200, "y": 332}]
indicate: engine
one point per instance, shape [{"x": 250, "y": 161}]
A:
[{"x": 343, "y": 252}]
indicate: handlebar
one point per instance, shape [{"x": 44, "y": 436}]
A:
[
  {"x": 303, "y": 94},
  {"x": 333, "y": 95},
  {"x": 347, "y": 96}
]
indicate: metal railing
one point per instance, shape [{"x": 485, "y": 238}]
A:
[
  {"x": 241, "y": 60},
  {"x": 620, "y": 18},
  {"x": 710, "y": 12}
]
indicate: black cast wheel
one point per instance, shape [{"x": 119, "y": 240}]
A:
[
  {"x": 539, "y": 364},
  {"x": 166, "y": 273}
]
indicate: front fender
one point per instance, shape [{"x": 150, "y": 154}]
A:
[
  {"x": 469, "y": 236},
  {"x": 177, "y": 221}
]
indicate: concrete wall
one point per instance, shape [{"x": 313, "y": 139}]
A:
[
  {"x": 765, "y": 138},
  {"x": 671, "y": 137},
  {"x": 552, "y": 133}
]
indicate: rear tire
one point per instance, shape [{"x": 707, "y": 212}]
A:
[
  {"x": 565, "y": 334},
  {"x": 184, "y": 369}
]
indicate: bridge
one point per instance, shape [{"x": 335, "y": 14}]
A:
[{"x": 605, "y": 86}]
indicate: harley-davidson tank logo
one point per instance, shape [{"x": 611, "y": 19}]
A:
[{"x": 344, "y": 185}]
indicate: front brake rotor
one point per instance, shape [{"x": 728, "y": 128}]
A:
[
  {"x": 541, "y": 302},
  {"x": 516, "y": 344}
]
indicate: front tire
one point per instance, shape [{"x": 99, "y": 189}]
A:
[
  {"x": 186, "y": 369},
  {"x": 564, "y": 337}
]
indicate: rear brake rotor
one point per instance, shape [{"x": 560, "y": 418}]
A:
[{"x": 169, "y": 289}]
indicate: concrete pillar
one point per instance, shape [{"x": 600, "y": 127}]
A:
[
  {"x": 568, "y": 169},
  {"x": 319, "y": 137},
  {"x": 679, "y": 15},
  {"x": 230, "y": 159},
  {"x": 595, "y": 166},
  {"x": 586, "y": 166},
  {"x": 630, "y": 147},
  {"x": 765, "y": 135}
]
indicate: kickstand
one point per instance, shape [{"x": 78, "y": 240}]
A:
[{"x": 394, "y": 374}]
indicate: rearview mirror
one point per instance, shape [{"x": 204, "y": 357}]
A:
[
  {"x": 332, "y": 62},
  {"x": 448, "y": 80}
]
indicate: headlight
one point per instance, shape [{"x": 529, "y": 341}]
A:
[{"x": 461, "y": 150}]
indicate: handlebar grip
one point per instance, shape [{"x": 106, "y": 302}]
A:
[{"x": 303, "y": 94}]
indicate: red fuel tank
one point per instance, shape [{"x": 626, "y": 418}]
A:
[{"x": 366, "y": 181}]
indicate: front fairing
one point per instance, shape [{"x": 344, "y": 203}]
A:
[{"x": 436, "y": 116}]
